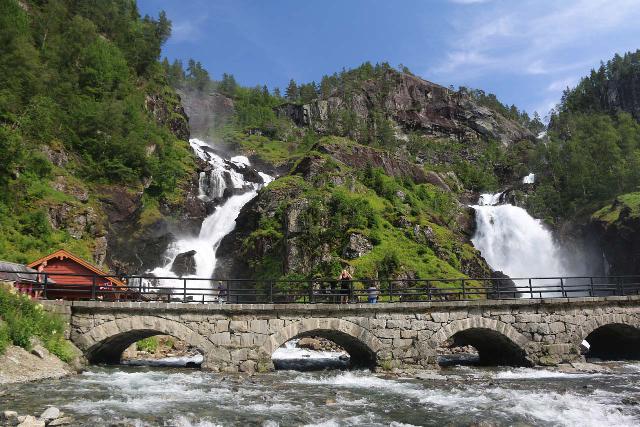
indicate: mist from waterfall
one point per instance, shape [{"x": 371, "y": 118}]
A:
[
  {"x": 222, "y": 177},
  {"x": 514, "y": 242}
]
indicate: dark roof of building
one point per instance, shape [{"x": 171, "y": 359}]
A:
[{"x": 12, "y": 272}]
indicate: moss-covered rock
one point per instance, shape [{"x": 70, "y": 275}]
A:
[{"x": 618, "y": 228}]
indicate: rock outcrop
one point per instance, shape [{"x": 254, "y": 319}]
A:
[
  {"x": 206, "y": 110},
  {"x": 413, "y": 104},
  {"x": 184, "y": 264},
  {"x": 617, "y": 227},
  {"x": 168, "y": 111}
]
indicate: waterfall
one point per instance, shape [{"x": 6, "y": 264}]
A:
[
  {"x": 514, "y": 242},
  {"x": 223, "y": 175},
  {"x": 529, "y": 179}
]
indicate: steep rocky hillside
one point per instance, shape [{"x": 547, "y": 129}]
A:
[
  {"x": 93, "y": 140},
  {"x": 411, "y": 104},
  {"x": 368, "y": 179}
]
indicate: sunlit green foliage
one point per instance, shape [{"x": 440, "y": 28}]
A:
[
  {"x": 590, "y": 159},
  {"x": 74, "y": 77},
  {"x": 22, "y": 319}
]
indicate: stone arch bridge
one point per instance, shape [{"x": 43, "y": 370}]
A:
[{"x": 242, "y": 337}]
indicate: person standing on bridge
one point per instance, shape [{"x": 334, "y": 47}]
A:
[
  {"x": 372, "y": 292},
  {"x": 345, "y": 286}
]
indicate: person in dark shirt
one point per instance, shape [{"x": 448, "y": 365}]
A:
[{"x": 345, "y": 286}]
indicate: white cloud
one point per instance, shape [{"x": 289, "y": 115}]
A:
[
  {"x": 188, "y": 30},
  {"x": 562, "y": 84},
  {"x": 544, "y": 38}
]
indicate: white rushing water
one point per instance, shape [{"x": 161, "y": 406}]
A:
[
  {"x": 223, "y": 176},
  {"x": 514, "y": 242}
]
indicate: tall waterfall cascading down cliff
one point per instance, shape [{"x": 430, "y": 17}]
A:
[
  {"x": 514, "y": 242},
  {"x": 225, "y": 176}
]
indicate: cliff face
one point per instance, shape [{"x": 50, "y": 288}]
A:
[
  {"x": 137, "y": 234},
  {"x": 618, "y": 228},
  {"x": 623, "y": 94},
  {"x": 206, "y": 110},
  {"x": 413, "y": 104}
]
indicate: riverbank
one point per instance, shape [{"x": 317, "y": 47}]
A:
[
  {"x": 18, "y": 365},
  {"x": 33, "y": 341}
]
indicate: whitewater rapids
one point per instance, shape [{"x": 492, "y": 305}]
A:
[{"x": 458, "y": 396}]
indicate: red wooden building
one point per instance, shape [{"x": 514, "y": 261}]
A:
[{"x": 70, "y": 277}]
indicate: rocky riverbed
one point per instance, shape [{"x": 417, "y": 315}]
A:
[{"x": 51, "y": 416}]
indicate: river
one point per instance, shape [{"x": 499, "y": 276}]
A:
[{"x": 143, "y": 396}]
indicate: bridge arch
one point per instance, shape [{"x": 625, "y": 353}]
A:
[
  {"x": 498, "y": 343},
  {"x": 362, "y": 345},
  {"x": 611, "y": 336},
  {"x": 105, "y": 343}
]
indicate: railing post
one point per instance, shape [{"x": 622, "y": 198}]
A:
[
  {"x": 271, "y": 291},
  {"x": 620, "y": 292},
  {"x": 591, "y": 286},
  {"x": 464, "y": 293},
  {"x": 390, "y": 291},
  {"x": 44, "y": 286},
  {"x": 497, "y": 282},
  {"x": 93, "y": 288},
  {"x": 184, "y": 290},
  {"x": 237, "y": 294},
  {"x": 562, "y": 288},
  {"x": 530, "y": 288},
  {"x": 429, "y": 290}
]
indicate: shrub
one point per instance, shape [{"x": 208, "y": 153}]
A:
[
  {"x": 5, "y": 339},
  {"x": 150, "y": 345},
  {"x": 25, "y": 319}
]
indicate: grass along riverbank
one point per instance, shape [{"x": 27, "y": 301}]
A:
[{"x": 22, "y": 320}]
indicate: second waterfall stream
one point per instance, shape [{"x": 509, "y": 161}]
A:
[
  {"x": 514, "y": 242},
  {"x": 224, "y": 178}
]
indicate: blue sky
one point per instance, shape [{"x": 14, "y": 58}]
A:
[{"x": 526, "y": 52}]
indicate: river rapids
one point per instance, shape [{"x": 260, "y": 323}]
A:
[{"x": 460, "y": 396}]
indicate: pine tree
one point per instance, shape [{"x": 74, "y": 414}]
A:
[
  {"x": 228, "y": 85},
  {"x": 292, "y": 93}
]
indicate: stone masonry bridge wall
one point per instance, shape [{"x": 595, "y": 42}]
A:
[{"x": 241, "y": 337}]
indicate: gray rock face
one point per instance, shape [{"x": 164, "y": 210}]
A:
[
  {"x": 206, "y": 111},
  {"x": 624, "y": 95},
  {"x": 185, "y": 264},
  {"x": 358, "y": 245},
  {"x": 413, "y": 104},
  {"x": 170, "y": 113}
]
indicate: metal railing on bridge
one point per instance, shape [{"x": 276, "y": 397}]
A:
[{"x": 315, "y": 290}]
